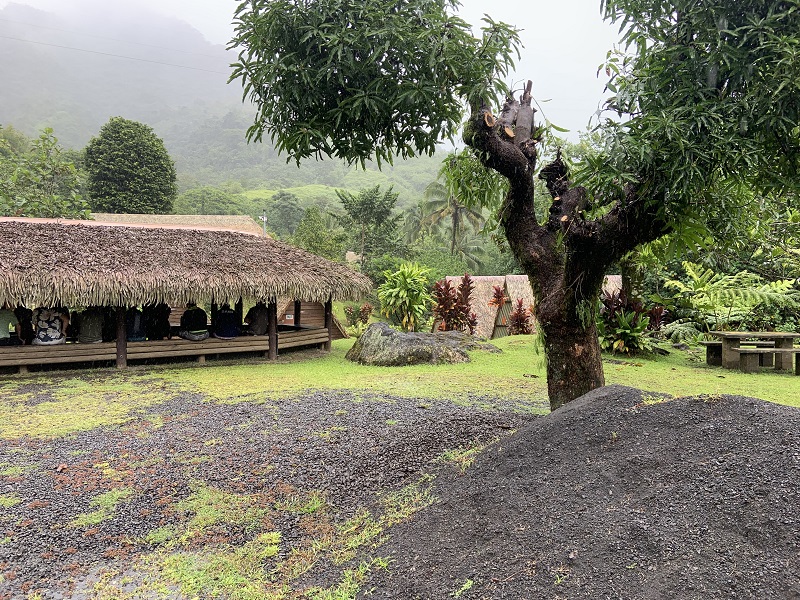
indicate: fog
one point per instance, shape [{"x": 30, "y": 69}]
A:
[{"x": 564, "y": 41}]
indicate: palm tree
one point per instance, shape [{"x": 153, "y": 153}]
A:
[
  {"x": 469, "y": 247},
  {"x": 413, "y": 223},
  {"x": 441, "y": 205}
]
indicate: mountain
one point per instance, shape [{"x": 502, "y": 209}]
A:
[{"x": 72, "y": 71}]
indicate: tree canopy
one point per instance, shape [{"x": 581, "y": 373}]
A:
[
  {"x": 129, "y": 170},
  {"x": 37, "y": 179},
  {"x": 360, "y": 80}
]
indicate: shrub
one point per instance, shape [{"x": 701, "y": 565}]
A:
[
  {"x": 622, "y": 325},
  {"x": 453, "y": 306},
  {"x": 404, "y": 295},
  {"x": 519, "y": 321}
]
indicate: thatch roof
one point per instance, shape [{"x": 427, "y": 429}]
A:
[
  {"x": 43, "y": 263},
  {"x": 519, "y": 286},
  {"x": 612, "y": 284},
  {"x": 493, "y": 321},
  {"x": 241, "y": 223}
]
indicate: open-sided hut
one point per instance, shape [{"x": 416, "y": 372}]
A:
[{"x": 70, "y": 263}]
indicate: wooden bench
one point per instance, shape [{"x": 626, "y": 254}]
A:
[
  {"x": 24, "y": 356},
  {"x": 714, "y": 352},
  {"x": 749, "y": 358}
]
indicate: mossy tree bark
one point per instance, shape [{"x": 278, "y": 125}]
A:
[{"x": 566, "y": 255}]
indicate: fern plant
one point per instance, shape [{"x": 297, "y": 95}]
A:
[{"x": 725, "y": 301}]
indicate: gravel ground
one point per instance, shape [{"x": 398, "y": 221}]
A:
[
  {"x": 617, "y": 495},
  {"x": 350, "y": 448}
]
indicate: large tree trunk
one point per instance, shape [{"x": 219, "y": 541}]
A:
[
  {"x": 565, "y": 256},
  {"x": 574, "y": 366}
]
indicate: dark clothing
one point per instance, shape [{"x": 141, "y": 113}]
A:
[
  {"x": 89, "y": 324},
  {"x": 50, "y": 326},
  {"x": 194, "y": 324},
  {"x": 25, "y": 318},
  {"x": 10, "y": 341},
  {"x": 134, "y": 325},
  {"x": 109, "y": 324},
  {"x": 226, "y": 326},
  {"x": 156, "y": 321},
  {"x": 257, "y": 319},
  {"x": 194, "y": 320}
]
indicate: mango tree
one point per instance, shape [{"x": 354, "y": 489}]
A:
[{"x": 704, "y": 98}]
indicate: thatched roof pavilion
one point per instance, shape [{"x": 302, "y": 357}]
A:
[{"x": 45, "y": 263}]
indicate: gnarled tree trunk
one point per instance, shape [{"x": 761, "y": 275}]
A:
[{"x": 565, "y": 256}]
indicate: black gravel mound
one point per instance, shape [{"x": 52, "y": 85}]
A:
[{"x": 616, "y": 495}]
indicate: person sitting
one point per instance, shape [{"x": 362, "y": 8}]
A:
[
  {"x": 194, "y": 323},
  {"x": 257, "y": 319},
  {"x": 7, "y": 320},
  {"x": 90, "y": 325},
  {"x": 156, "y": 321},
  {"x": 225, "y": 325},
  {"x": 25, "y": 316},
  {"x": 134, "y": 325},
  {"x": 50, "y": 326}
]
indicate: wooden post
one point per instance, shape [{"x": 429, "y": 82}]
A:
[
  {"x": 272, "y": 330},
  {"x": 298, "y": 308},
  {"x": 212, "y": 326},
  {"x": 122, "y": 339},
  {"x": 328, "y": 324}
]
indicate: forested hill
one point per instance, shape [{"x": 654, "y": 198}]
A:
[
  {"x": 72, "y": 71},
  {"x": 69, "y": 72}
]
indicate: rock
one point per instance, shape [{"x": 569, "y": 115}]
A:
[
  {"x": 383, "y": 346},
  {"x": 680, "y": 346}
]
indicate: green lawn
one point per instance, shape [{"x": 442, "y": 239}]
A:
[{"x": 82, "y": 400}]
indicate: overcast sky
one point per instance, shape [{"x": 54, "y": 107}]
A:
[{"x": 565, "y": 41}]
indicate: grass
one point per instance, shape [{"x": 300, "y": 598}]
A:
[
  {"x": 197, "y": 558},
  {"x": 106, "y": 504},
  {"x": 686, "y": 374},
  {"x": 87, "y": 399}
]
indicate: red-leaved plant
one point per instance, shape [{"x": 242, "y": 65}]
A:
[
  {"x": 453, "y": 305},
  {"x": 498, "y": 297},
  {"x": 520, "y": 320}
]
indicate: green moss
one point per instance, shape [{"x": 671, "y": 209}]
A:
[
  {"x": 106, "y": 504},
  {"x": 78, "y": 404},
  {"x": 9, "y": 500},
  {"x": 234, "y": 573},
  {"x": 210, "y": 507},
  {"x": 12, "y": 470}
]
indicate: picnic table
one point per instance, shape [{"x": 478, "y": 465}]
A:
[{"x": 732, "y": 351}]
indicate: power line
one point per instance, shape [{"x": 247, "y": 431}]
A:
[
  {"x": 109, "y": 39},
  {"x": 5, "y": 37}
]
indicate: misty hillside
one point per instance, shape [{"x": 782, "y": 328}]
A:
[
  {"x": 68, "y": 73},
  {"x": 73, "y": 71}
]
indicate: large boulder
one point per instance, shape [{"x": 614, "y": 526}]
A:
[{"x": 383, "y": 346}]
